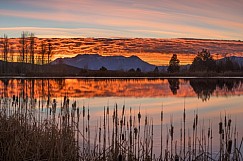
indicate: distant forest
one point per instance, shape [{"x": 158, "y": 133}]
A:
[{"x": 204, "y": 62}]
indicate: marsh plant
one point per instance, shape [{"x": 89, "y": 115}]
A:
[{"x": 37, "y": 129}]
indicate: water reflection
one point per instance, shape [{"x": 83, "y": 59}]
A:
[
  {"x": 88, "y": 88},
  {"x": 204, "y": 88},
  {"x": 174, "y": 85},
  {"x": 147, "y": 94}
]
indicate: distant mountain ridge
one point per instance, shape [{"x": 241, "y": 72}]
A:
[
  {"x": 121, "y": 63},
  {"x": 234, "y": 59},
  {"x": 96, "y": 61}
]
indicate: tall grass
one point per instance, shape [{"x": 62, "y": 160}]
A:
[
  {"x": 23, "y": 136},
  {"x": 33, "y": 129}
]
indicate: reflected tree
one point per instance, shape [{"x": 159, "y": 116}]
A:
[
  {"x": 204, "y": 88},
  {"x": 60, "y": 82},
  {"x": 228, "y": 84},
  {"x": 5, "y": 87},
  {"x": 174, "y": 85}
]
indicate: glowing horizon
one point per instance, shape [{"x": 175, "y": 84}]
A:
[
  {"x": 154, "y": 51},
  {"x": 130, "y": 19}
]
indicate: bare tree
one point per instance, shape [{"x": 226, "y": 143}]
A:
[
  {"x": 11, "y": 51},
  {"x": 5, "y": 53},
  {"x": 43, "y": 52},
  {"x": 23, "y": 47},
  {"x": 5, "y": 48},
  {"x": 32, "y": 48},
  {"x": 49, "y": 52}
]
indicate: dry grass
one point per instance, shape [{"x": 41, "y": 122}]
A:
[{"x": 23, "y": 138}]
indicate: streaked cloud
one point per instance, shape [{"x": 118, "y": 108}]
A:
[{"x": 128, "y": 18}]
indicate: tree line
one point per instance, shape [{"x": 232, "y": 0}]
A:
[
  {"x": 28, "y": 51},
  {"x": 204, "y": 62}
]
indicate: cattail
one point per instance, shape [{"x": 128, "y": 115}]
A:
[
  {"x": 229, "y": 123},
  {"x": 208, "y": 132},
  {"x": 223, "y": 135},
  {"x": 123, "y": 110},
  {"x": 184, "y": 121},
  {"x": 161, "y": 116},
  {"x": 146, "y": 120},
  {"x": 172, "y": 132},
  {"x": 78, "y": 113},
  {"x": 139, "y": 117},
  {"x": 83, "y": 111},
  {"x": 220, "y": 128},
  {"x": 74, "y": 105},
  {"x": 161, "y": 133},
  {"x": 107, "y": 111},
  {"x": 135, "y": 132},
  {"x": 229, "y": 146},
  {"x": 123, "y": 137},
  {"x": 88, "y": 117}
]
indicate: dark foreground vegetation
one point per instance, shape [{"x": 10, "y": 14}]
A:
[{"x": 35, "y": 130}]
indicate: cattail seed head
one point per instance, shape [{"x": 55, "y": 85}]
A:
[
  {"x": 83, "y": 111},
  {"x": 229, "y": 146},
  {"x": 107, "y": 111},
  {"x": 88, "y": 115},
  {"x": 229, "y": 123},
  {"x": 225, "y": 121},
  {"x": 220, "y": 127},
  {"x": 184, "y": 115},
  {"x": 172, "y": 132},
  {"x": 208, "y": 132},
  {"x": 123, "y": 110},
  {"x": 135, "y": 132},
  {"x": 161, "y": 117},
  {"x": 139, "y": 117},
  {"x": 123, "y": 137}
]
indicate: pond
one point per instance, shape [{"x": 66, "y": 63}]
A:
[{"x": 211, "y": 99}]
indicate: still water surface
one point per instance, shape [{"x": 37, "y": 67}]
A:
[{"x": 209, "y": 97}]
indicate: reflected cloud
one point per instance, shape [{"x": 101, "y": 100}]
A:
[{"x": 121, "y": 88}]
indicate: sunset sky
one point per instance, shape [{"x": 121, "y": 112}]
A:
[{"x": 217, "y": 19}]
